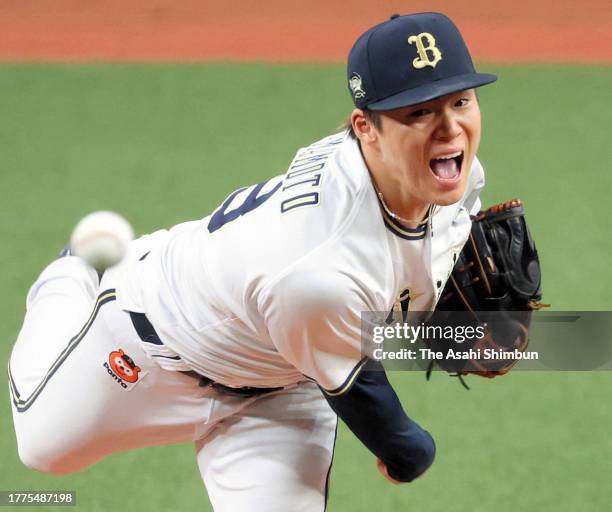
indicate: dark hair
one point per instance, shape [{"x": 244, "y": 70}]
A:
[{"x": 374, "y": 117}]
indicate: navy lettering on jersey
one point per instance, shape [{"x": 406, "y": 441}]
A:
[
  {"x": 302, "y": 184},
  {"x": 315, "y": 182},
  {"x": 252, "y": 201},
  {"x": 300, "y": 172},
  {"x": 301, "y": 200}
]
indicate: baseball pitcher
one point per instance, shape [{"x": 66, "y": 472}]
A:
[{"x": 241, "y": 332}]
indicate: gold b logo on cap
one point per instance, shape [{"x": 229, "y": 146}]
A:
[{"x": 422, "y": 49}]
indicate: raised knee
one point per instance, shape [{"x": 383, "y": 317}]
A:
[{"x": 40, "y": 456}]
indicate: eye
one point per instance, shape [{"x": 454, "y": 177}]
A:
[
  {"x": 463, "y": 102},
  {"x": 419, "y": 113}
]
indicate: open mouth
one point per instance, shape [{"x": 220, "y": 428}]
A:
[{"x": 448, "y": 167}]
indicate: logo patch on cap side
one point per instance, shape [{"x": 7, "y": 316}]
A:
[
  {"x": 356, "y": 87},
  {"x": 422, "y": 49}
]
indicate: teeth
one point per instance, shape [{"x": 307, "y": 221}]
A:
[{"x": 448, "y": 157}]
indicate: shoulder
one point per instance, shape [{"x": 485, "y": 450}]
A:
[
  {"x": 315, "y": 294},
  {"x": 316, "y": 289},
  {"x": 326, "y": 173},
  {"x": 319, "y": 198}
]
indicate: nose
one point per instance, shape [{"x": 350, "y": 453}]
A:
[{"x": 449, "y": 127}]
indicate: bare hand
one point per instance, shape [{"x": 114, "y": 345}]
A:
[{"x": 384, "y": 472}]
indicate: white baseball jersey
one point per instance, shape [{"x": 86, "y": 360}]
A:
[{"x": 270, "y": 287}]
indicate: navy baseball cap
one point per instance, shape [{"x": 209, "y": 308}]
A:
[{"x": 408, "y": 60}]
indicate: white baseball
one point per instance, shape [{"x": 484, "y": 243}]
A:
[{"x": 102, "y": 239}]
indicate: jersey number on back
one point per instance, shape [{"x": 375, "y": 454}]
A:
[{"x": 252, "y": 201}]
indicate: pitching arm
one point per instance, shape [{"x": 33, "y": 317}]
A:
[
  {"x": 314, "y": 321},
  {"x": 373, "y": 412}
]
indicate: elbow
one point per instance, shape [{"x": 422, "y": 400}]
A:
[
  {"x": 414, "y": 460},
  {"x": 426, "y": 455}
]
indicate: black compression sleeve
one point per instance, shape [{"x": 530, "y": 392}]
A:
[{"x": 373, "y": 412}]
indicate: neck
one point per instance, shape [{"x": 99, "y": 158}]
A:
[{"x": 396, "y": 196}]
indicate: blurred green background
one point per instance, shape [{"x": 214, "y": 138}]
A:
[{"x": 166, "y": 143}]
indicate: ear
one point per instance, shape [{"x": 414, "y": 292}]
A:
[
  {"x": 362, "y": 126},
  {"x": 136, "y": 369}
]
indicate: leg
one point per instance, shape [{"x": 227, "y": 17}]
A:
[
  {"x": 274, "y": 455},
  {"x": 71, "y": 406}
]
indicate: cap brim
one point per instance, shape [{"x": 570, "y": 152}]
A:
[{"x": 433, "y": 90}]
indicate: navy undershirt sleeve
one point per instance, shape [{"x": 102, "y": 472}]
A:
[{"x": 373, "y": 412}]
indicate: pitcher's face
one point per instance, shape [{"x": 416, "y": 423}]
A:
[{"x": 431, "y": 146}]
